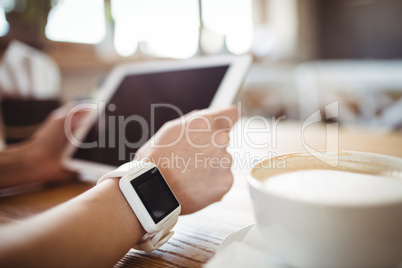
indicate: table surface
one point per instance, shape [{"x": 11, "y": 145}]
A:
[{"x": 197, "y": 236}]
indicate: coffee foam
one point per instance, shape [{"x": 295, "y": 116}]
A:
[
  {"x": 356, "y": 179},
  {"x": 295, "y": 162},
  {"x": 335, "y": 187}
]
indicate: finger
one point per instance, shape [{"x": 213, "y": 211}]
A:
[
  {"x": 221, "y": 118},
  {"x": 221, "y": 138},
  {"x": 57, "y": 116},
  {"x": 224, "y": 185},
  {"x": 190, "y": 114},
  {"x": 226, "y": 161},
  {"x": 182, "y": 119},
  {"x": 70, "y": 110},
  {"x": 227, "y": 117},
  {"x": 55, "y": 123}
]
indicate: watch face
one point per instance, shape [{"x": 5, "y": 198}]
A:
[{"x": 155, "y": 194}]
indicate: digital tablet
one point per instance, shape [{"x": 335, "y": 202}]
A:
[{"x": 137, "y": 99}]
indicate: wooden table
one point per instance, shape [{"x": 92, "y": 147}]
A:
[{"x": 197, "y": 236}]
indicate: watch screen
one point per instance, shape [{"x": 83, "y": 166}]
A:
[{"x": 155, "y": 194}]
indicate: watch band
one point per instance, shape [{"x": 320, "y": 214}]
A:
[
  {"x": 131, "y": 167},
  {"x": 149, "y": 241}
]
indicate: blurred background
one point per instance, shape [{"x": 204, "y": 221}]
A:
[{"x": 306, "y": 53}]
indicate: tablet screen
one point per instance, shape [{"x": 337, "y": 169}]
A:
[{"x": 141, "y": 104}]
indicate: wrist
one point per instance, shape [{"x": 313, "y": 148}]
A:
[
  {"x": 122, "y": 215},
  {"x": 151, "y": 201}
]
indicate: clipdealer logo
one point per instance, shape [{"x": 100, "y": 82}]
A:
[
  {"x": 328, "y": 114},
  {"x": 246, "y": 134},
  {"x": 114, "y": 136}
]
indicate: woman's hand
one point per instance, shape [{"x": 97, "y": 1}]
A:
[
  {"x": 191, "y": 154},
  {"x": 47, "y": 145},
  {"x": 38, "y": 159}
]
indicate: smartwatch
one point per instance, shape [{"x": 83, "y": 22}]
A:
[{"x": 151, "y": 200}]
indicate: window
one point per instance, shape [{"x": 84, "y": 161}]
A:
[
  {"x": 77, "y": 21},
  {"x": 231, "y": 20},
  {"x": 3, "y": 23},
  {"x": 160, "y": 28}
]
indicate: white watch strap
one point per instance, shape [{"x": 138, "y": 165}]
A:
[
  {"x": 149, "y": 241},
  {"x": 132, "y": 167}
]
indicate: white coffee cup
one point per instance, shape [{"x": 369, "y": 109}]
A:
[{"x": 325, "y": 231}]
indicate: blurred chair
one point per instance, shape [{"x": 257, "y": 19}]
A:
[
  {"x": 369, "y": 92},
  {"x": 269, "y": 91}
]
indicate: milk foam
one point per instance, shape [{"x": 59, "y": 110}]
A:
[{"x": 335, "y": 187}]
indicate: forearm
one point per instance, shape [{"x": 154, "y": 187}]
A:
[{"x": 95, "y": 229}]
